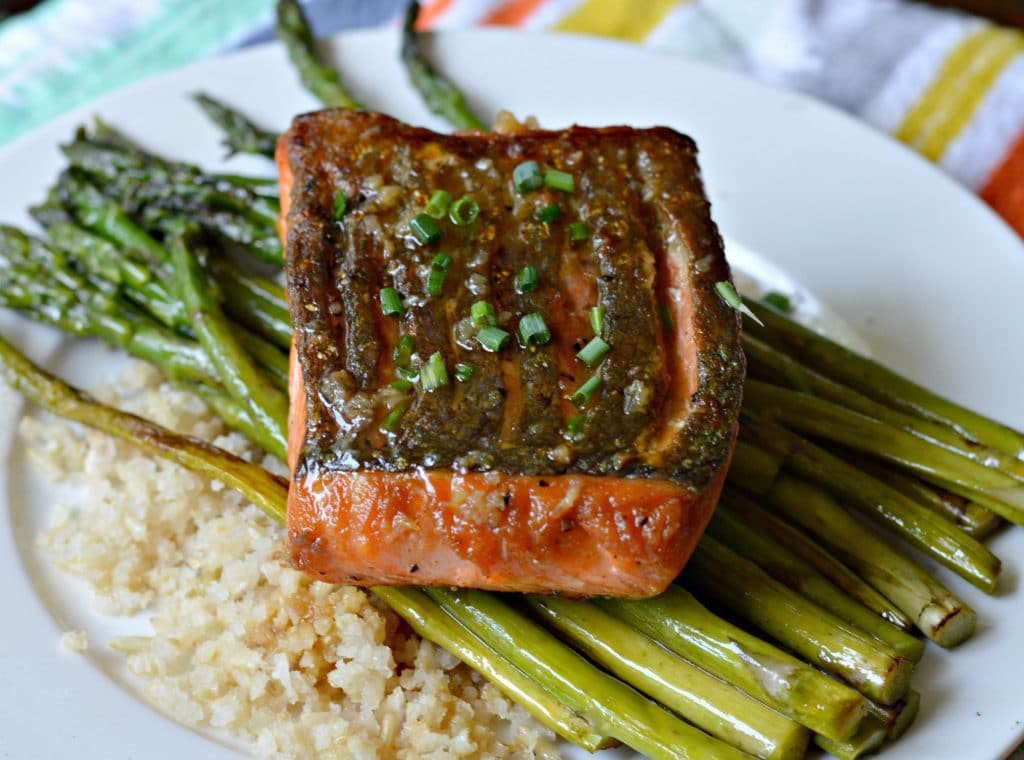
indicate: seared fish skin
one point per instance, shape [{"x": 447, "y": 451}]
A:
[{"x": 497, "y": 479}]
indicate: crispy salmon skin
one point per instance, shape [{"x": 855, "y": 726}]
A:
[{"x": 446, "y": 428}]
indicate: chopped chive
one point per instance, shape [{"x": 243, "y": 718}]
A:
[
  {"x": 586, "y": 391},
  {"x": 425, "y": 229},
  {"x": 575, "y": 427},
  {"x": 438, "y": 204},
  {"x": 528, "y": 177},
  {"x": 403, "y": 351},
  {"x": 731, "y": 297},
  {"x": 408, "y": 374},
  {"x": 435, "y": 282},
  {"x": 390, "y": 303},
  {"x": 559, "y": 180},
  {"x": 550, "y": 213},
  {"x": 434, "y": 374},
  {"x": 442, "y": 262},
  {"x": 597, "y": 319},
  {"x": 526, "y": 281},
  {"x": 778, "y": 301},
  {"x": 401, "y": 385},
  {"x": 394, "y": 416},
  {"x": 464, "y": 212},
  {"x": 493, "y": 339},
  {"x": 592, "y": 353},
  {"x": 464, "y": 371},
  {"x": 578, "y": 232},
  {"x": 534, "y": 330},
  {"x": 340, "y": 204},
  {"x": 665, "y": 316},
  {"x": 483, "y": 314}
]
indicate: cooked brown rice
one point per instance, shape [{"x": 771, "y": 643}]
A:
[{"x": 241, "y": 641}]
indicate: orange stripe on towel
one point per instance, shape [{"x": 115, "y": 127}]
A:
[
  {"x": 1004, "y": 190},
  {"x": 512, "y": 13},
  {"x": 430, "y": 12}
]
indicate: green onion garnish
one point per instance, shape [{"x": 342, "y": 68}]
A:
[
  {"x": 442, "y": 262},
  {"x": 434, "y": 374},
  {"x": 534, "y": 330},
  {"x": 391, "y": 421},
  {"x": 778, "y": 301},
  {"x": 464, "y": 371},
  {"x": 438, "y": 204},
  {"x": 401, "y": 385},
  {"x": 731, "y": 297},
  {"x": 464, "y": 212},
  {"x": 592, "y": 353},
  {"x": 528, "y": 177},
  {"x": 390, "y": 303},
  {"x": 559, "y": 180},
  {"x": 483, "y": 314},
  {"x": 435, "y": 282},
  {"x": 578, "y": 232},
  {"x": 586, "y": 391},
  {"x": 550, "y": 213},
  {"x": 526, "y": 281},
  {"x": 408, "y": 374},
  {"x": 665, "y": 316},
  {"x": 425, "y": 229},
  {"x": 597, "y": 318},
  {"x": 340, "y": 204},
  {"x": 403, "y": 351},
  {"x": 575, "y": 427},
  {"x": 493, "y": 339}
]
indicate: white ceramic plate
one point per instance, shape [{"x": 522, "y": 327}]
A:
[{"x": 924, "y": 272}]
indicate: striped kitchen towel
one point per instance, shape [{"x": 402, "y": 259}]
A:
[{"x": 947, "y": 84}]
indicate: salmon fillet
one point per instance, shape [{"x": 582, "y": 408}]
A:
[{"x": 500, "y": 478}]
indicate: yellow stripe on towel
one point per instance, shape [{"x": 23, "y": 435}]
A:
[
  {"x": 951, "y": 100},
  {"x": 631, "y": 21}
]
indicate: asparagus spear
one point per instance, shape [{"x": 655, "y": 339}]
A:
[
  {"x": 613, "y": 707},
  {"x": 880, "y": 383},
  {"x": 722, "y": 576},
  {"x": 39, "y": 281},
  {"x": 823, "y": 419},
  {"x": 106, "y": 218},
  {"x": 267, "y": 491},
  {"x": 101, "y": 258},
  {"x": 441, "y": 96},
  {"x": 137, "y": 177},
  {"x": 869, "y": 738},
  {"x": 431, "y": 622},
  {"x": 967, "y": 515},
  {"x": 804, "y": 547},
  {"x": 753, "y": 468},
  {"x": 897, "y": 718},
  {"x": 788, "y": 569},
  {"x": 919, "y": 525},
  {"x": 940, "y": 615},
  {"x": 771, "y": 364},
  {"x": 270, "y": 493},
  {"x": 710, "y": 704},
  {"x": 240, "y": 134},
  {"x": 267, "y": 405},
  {"x": 771, "y": 676},
  {"x": 320, "y": 79}
]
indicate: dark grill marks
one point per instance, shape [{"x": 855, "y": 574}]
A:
[
  {"x": 625, "y": 288},
  {"x": 537, "y": 425},
  {"x": 358, "y": 282},
  {"x": 634, "y": 188}
]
